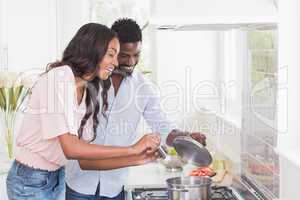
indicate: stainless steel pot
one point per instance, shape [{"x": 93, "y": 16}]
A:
[{"x": 189, "y": 188}]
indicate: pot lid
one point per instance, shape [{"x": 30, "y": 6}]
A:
[{"x": 192, "y": 151}]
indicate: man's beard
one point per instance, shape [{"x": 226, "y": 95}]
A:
[{"x": 124, "y": 70}]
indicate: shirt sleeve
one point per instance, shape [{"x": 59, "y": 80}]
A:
[
  {"x": 57, "y": 104},
  {"x": 153, "y": 113}
]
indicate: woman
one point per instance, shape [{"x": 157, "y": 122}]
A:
[{"x": 63, "y": 105}]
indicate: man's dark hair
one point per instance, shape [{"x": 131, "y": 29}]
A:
[{"x": 128, "y": 30}]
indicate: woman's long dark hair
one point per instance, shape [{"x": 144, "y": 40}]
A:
[{"x": 83, "y": 54}]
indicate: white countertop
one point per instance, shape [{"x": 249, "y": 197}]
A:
[{"x": 152, "y": 175}]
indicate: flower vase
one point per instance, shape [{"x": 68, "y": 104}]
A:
[{"x": 7, "y": 146}]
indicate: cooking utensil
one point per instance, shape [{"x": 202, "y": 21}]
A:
[
  {"x": 192, "y": 151},
  {"x": 163, "y": 152},
  {"x": 189, "y": 188},
  {"x": 171, "y": 162}
]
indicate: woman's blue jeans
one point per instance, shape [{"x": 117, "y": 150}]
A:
[{"x": 24, "y": 182}]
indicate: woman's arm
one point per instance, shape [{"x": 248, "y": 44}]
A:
[
  {"x": 75, "y": 148},
  {"x": 115, "y": 163}
]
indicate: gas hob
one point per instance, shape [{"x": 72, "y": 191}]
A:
[{"x": 217, "y": 193}]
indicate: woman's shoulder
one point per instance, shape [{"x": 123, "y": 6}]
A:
[
  {"x": 64, "y": 71},
  {"x": 58, "y": 74}
]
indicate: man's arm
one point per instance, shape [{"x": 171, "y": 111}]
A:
[
  {"x": 153, "y": 113},
  {"x": 158, "y": 121}
]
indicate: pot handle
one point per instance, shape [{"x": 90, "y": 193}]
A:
[
  {"x": 163, "y": 152},
  {"x": 178, "y": 190}
]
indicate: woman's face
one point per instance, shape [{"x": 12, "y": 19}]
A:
[{"x": 110, "y": 60}]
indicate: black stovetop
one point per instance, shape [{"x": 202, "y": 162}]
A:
[{"x": 218, "y": 193}]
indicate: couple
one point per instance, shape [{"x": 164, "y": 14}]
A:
[{"x": 74, "y": 112}]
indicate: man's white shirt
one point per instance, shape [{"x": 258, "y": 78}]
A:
[{"x": 136, "y": 98}]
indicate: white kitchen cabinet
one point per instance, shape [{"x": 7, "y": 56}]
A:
[
  {"x": 30, "y": 33},
  {"x": 191, "y": 13},
  {"x": 34, "y": 33},
  {"x": 3, "y": 33}
]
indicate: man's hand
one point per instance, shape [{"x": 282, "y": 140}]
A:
[{"x": 199, "y": 137}]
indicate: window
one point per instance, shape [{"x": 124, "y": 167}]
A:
[
  {"x": 259, "y": 159},
  {"x": 107, "y": 11}
]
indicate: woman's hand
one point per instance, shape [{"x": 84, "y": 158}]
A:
[
  {"x": 148, "y": 143},
  {"x": 120, "y": 162},
  {"x": 146, "y": 158}
]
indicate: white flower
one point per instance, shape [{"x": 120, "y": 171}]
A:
[
  {"x": 17, "y": 80},
  {"x": 2, "y": 78},
  {"x": 14, "y": 79},
  {"x": 27, "y": 82},
  {"x": 28, "y": 78},
  {"x": 7, "y": 79},
  {"x": 1, "y": 82},
  {"x": 10, "y": 79}
]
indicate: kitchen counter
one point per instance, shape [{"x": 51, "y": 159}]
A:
[
  {"x": 152, "y": 175},
  {"x": 155, "y": 175}
]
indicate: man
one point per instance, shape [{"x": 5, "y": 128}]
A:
[{"x": 130, "y": 98}]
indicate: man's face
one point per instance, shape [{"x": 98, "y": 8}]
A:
[{"x": 129, "y": 56}]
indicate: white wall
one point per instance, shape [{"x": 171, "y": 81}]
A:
[
  {"x": 289, "y": 97},
  {"x": 189, "y": 71},
  {"x": 186, "y": 71},
  {"x": 289, "y": 61},
  {"x": 71, "y": 15},
  {"x": 289, "y": 178}
]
